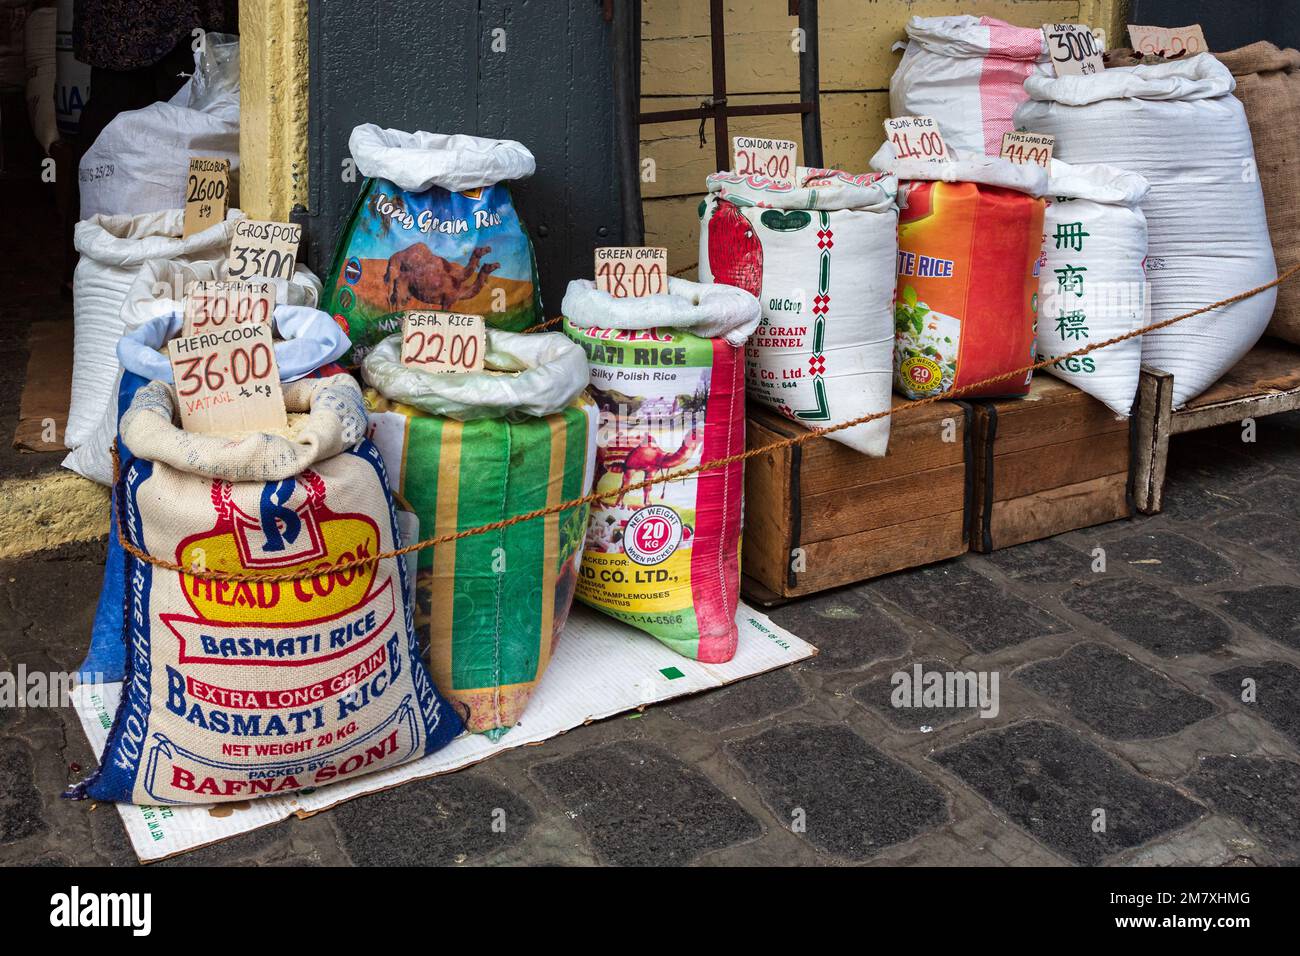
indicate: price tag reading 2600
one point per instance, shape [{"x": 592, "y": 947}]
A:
[
  {"x": 631, "y": 271},
  {"x": 266, "y": 249},
  {"x": 443, "y": 341},
  {"x": 916, "y": 137},
  {"x": 228, "y": 380},
  {"x": 772, "y": 159}
]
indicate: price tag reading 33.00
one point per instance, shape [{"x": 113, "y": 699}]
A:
[
  {"x": 632, "y": 271},
  {"x": 443, "y": 341},
  {"x": 265, "y": 249},
  {"x": 227, "y": 380}
]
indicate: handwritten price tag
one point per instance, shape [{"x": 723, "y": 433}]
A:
[
  {"x": 443, "y": 341},
  {"x": 771, "y": 158},
  {"x": 1073, "y": 48},
  {"x": 207, "y": 193},
  {"x": 263, "y": 249},
  {"x": 228, "y": 380},
  {"x": 214, "y": 303},
  {"x": 1028, "y": 148},
  {"x": 1169, "y": 41},
  {"x": 631, "y": 271},
  {"x": 916, "y": 137}
]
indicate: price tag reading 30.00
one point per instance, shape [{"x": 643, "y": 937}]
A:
[
  {"x": 916, "y": 137},
  {"x": 632, "y": 271},
  {"x": 266, "y": 249},
  {"x": 443, "y": 341},
  {"x": 772, "y": 159},
  {"x": 213, "y": 304},
  {"x": 1073, "y": 48},
  {"x": 228, "y": 380}
]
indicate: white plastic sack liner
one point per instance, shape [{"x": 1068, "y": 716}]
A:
[
  {"x": 709, "y": 311},
  {"x": 113, "y": 248},
  {"x": 537, "y": 374},
  {"x": 820, "y": 257},
  {"x": 967, "y": 73},
  {"x": 42, "y": 74},
  {"x": 1094, "y": 222},
  {"x": 988, "y": 171},
  {"x": 416, "y": 161},
  {"x": 1178, "y": 125}
]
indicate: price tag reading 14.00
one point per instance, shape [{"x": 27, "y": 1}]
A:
[
  {"x": 631, "y": 271},
  {"x": 443, "y": 341},
  {"x": 770, "y": 158},
  {"x": 265, "y": 249},
  {"x": 1073, "y": 48},
  {"x": 227, "y": 380},
  {"x": 916, "y": 137},
  {"x": 213, "y": 304}
]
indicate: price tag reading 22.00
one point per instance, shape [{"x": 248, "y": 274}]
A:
[
  {"x": 632, "y": 271},
  {"x": 266, "y": 249},
  {"x": 443, "y": 341},
  {"x": 916, "y": 137},
  {"x": 227, "y": 380}
]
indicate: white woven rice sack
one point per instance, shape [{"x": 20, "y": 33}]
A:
[
  {"x": 820, "y": 257},
  {"x": 1094, "y": 228},
  {"x": 967, "y": 73},
  {"x": 1178, "y": 125}
]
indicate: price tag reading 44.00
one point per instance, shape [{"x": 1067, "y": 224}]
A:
[
  {"x": 443, "y": 341},
  {"x": 1028, "y": 147},
  {"x": 213, "y": 304},
  {"x": 916, "y": 137},
  {"x": 1073, "y": 48},
  {"x": 631, "y": 271},
  {"x": 227, "y": 380},
  {"x": 266, "y": 249},
  {"x": 770, "y": 158}
]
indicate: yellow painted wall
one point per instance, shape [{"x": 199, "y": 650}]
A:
[{"x": 856, "y": 63}]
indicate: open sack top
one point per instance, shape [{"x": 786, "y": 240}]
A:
[
  {"x": 968, "y": 36},
  {"x": 417, "y": 161},
  {"x": 986, "y": 170},
  {"x": 129, "y": 241},
  {"x": 309, "y": 339},
  {"x": 1260, "y": 57},
  {"x": 159, "y": 287},
  {"x": 536, "y": 374},
  {"x": 1097, "y": 182},
  {"x": 1194, "y": 78},
  {"x": 814, "y": 189},
  {"x": 707, "y": 310},
  {"x": 336, "y": 420}
]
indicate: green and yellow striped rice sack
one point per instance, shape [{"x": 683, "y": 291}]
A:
[{"x": 491, "y": 605}]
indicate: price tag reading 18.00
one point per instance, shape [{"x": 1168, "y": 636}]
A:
[
  {"x": 443, "y": 341},
  {"x": 213, "y": 304},
  {"x": 1028, "y": 147},
  {"x": 1171, "y": 41},
  {"x": 770, "y": 158},
  {"x": 266, "y": 249},
  {"x": 207, "y": 193},
  {"x": 916, "y": 137},
  {"x": 631, "y": 271},
  {"x": 227, "y": 380},
  {"x": 1073, "y": 49}
]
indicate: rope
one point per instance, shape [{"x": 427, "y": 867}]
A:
[{"x": 808, "y": 436}]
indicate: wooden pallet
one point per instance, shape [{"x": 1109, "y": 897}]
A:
[
  {"x": 821, "y": 515},
  {"x": 1265, "y": 382},
  {"x": 1050, "y": 462}
]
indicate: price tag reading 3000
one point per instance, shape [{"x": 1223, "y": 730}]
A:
[
  {"x": 1073, "y": 48},
  {"x": 266, "y": 249},
  {"x": 443, "y": 341},
  {"x": 632, "y": 271},
  {"x": 228, "y": 380},
  {"x": 772, "y": 159},
  {"x": 213, "y": 304}
]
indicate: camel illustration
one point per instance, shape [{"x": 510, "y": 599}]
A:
[
  {"x": 648, "y": 459},
  {"x": 432, "y": 279}
]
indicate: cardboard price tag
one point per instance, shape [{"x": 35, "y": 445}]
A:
[
  {"x": 773, "y": 159},
  {"x": 207, "y": 193},
  {"x": 632, "y": 271},
  {"x": 443, "y": 341},
  {"x": 1028, "y": 148},
  {"x": 1168, "y": 41},
  {"x": 266, "y": 249},
  {"x": 214, "y": 303},
  {"x": 916, "y": 137},
  {"x": 1073, "y": 48},
  {"x": 228, "y": 380}
]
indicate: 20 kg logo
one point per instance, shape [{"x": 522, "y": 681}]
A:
[{"x": 652, "y": 534}]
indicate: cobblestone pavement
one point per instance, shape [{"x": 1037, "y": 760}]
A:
[{"x": 1120, "y": 690}]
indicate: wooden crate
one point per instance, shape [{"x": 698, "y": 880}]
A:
[
  {"x": 821, "y": 515},
  {"x": 1266, "y": 381},
  {"x": 1047, "y": 463}
]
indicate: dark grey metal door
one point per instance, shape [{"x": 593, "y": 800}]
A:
[
  {"x": 1228, "y": 24},
  {"x": 537, "y": 71}
]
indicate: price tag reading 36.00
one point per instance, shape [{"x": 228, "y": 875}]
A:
[
  {"x": 227, "y": 380},
  {"x": 214, "y": 303},
  {"x": 916, "y": 137},
  {"x": 266, "y": 249},
  {"x": 443, "y": 341},
  {"x": 632, "y": 271},
  {"x": 772, "y": 159},
  {"x": 1073, "y": 49},
  {"x": 1028, "y": 147}
]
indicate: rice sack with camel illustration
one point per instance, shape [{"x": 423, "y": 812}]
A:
[
  {"x": 663, "y": 552},
  {"x": 434, "y": 228},
  {"x": 469, "y": 449}
]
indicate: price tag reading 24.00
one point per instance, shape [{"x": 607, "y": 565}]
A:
[
  {"x": 212, "y": 304},
  {"x": 1073, "y": 48},
  {"x": 916, "y": 137},
  {"x": 266, "y": 249},
  {"x": 770, "y": 158},
  {"x": 443, "y": 341},
  {"x": 227, "y": 380},
  {"x": 631, "y": 271}
]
